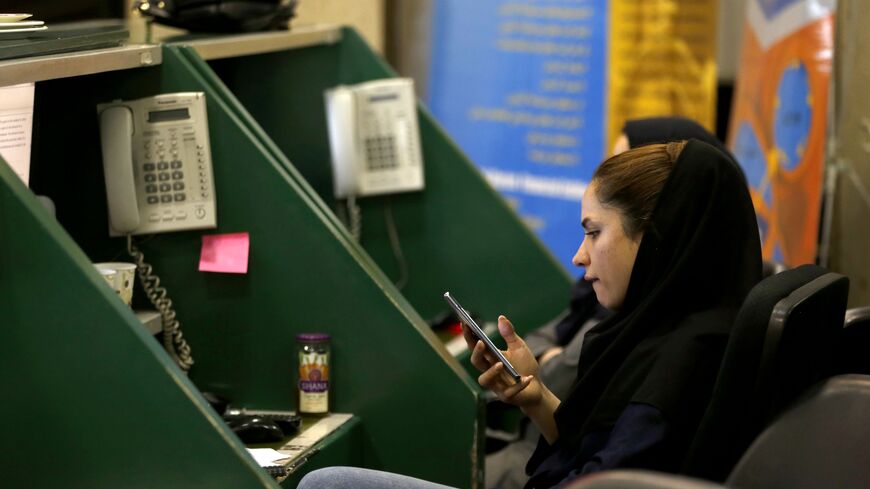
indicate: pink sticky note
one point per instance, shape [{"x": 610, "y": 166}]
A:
[{"x": 227, "y": 253}]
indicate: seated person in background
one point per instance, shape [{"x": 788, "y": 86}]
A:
[
  {"x": 671, "y": 246},
  {"x": 557, "y": 345}
]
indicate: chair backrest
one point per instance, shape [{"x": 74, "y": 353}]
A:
[
  {"x": 820, "y": 441},
  {"x": 780, "y": 345},
  {"x": 852, "y": 353}
]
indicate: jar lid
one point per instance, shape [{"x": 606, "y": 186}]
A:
[{"x": 312, "y": 337}]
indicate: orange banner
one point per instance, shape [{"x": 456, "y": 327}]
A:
[{"x": 779, "y": 119}]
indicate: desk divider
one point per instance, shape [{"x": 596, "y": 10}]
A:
[
  {"x": 458, "y": 234},
  {"x": 90, "y": 399}
]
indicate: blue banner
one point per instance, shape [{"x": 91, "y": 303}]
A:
[{"x": 520, "y": 86}]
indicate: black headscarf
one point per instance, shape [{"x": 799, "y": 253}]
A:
[
  {"x": 583, "y": 303},
  {"x": 694, "y": 266},
  {"x": 666, "y": 129}
]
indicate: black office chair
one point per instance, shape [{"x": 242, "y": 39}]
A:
[
  {"x": 819, "y": 443},
  {"x": 852, "y": 353},
  {"x": 781, "y": 344}
]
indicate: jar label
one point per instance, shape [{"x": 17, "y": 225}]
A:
[{"x": 313, "y": 382}]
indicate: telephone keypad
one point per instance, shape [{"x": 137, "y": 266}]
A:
[
  {"x": 381, "y": 153},
  {"x": 169, "y": 172}
]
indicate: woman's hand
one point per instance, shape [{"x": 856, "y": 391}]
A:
[
  {"x": 533, "y": 397},
  {"x": 529, "y": 391}
]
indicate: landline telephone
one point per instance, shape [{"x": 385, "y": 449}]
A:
[
  {"x": 158, "y": 173},
  {"x": 374, "y": 141},
  {"x": 374, "y": 138},
  {"x": 157, "y": 164}
]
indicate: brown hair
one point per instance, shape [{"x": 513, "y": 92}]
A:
[{"x": 631, "y": 182}]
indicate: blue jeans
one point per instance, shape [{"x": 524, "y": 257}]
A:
[{"x": 356, "y": 478}]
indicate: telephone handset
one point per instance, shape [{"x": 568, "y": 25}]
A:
[
  {"x": 157, "y": 164},
  {"x": 158, "y": 173},
  {"x": 374, "y": 138}
]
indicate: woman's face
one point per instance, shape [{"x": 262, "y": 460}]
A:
[
  {"x": 621, "y": 145},
  {"x": 606, "y": 251}
]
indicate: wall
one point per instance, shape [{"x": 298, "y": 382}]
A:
[
  {"x": 367, "y": 16},
  {"x": 845, "y": 242},
  {"x": 729, "y": 34}
]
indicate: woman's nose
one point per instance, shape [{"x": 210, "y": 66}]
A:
[{"x": 581, "y": 258}]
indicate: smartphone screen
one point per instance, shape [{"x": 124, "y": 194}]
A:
[{"x": 478, "y": 331}]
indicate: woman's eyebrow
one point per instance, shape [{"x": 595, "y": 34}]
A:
[{"x": 586, "y": 222}]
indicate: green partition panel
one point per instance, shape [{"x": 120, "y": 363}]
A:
[
  {"x": 458, "y": 234},
  {"x": 419, "y": 411},
  {"x": 89, "y": 398}
]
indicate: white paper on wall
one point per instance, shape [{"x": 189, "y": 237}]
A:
[{"x": 16, "y": 127}]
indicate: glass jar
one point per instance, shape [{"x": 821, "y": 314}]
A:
[{"x": 312, "y": 388}]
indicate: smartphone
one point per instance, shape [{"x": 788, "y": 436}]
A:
[{"x": 466, "y": 318}]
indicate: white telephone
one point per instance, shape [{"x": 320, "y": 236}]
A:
[
  {"x": 374, "y": 138},
  {"x": 158, "y": 172},
  {"x": 157, "y": 164}
]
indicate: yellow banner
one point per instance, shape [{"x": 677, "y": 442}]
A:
[{"x": 662, "y": 61}]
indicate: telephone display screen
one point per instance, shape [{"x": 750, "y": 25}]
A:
[
  {"x": 384, "y": 97},
  {"x": 168, "y": 115}
]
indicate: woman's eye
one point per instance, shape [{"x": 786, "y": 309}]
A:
[{"x": 592, "y": 233}]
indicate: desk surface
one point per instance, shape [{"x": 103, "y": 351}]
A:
[
  {"x": 313, "y": 433},
  {"x": 78, "y": 63}
]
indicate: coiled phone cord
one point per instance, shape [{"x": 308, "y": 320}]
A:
[
  {"x": 354, "y": 217},
  {"x": 173, "y": 340},
  {"x": 354, "y": 226}
]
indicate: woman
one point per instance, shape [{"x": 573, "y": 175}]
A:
[
  {"x": 557, "y": 345},
  {"x": 672, "y": 247}
]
